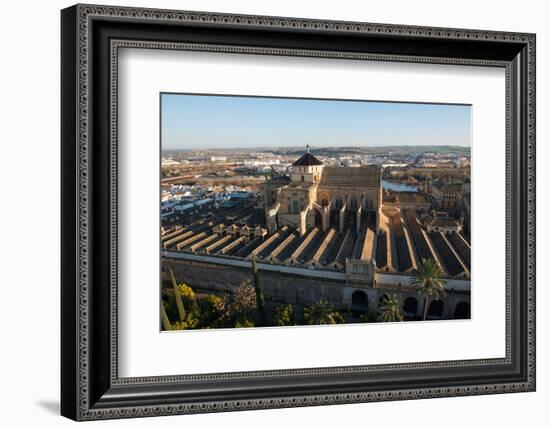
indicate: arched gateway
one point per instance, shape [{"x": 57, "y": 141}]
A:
[
  {"x": 436, "y": 309},
  {"x": 359, "y": 301},
  {"x": 462, "y": 311},
  {"x": 410, "y": 307}
]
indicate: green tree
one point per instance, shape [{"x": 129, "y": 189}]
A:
[
  {"x": 190, "y": 321},
  {"x": 369, "y": 317},
  {"x": 244, "y": 322},
  {"x": 239, "y": 304},
  {"x": 260, "y": 302},
  {"x": 429, "y": 283},
  {"x": 283, "y": 315},
  {"x": 186, "y": 291},
  {"x": 189, "y": 299},
  {"x": 180, "y": 305},
  {"x": 210, "y": 310},
  {"x": 338, "y": 317},
  {"x": 391, "y": 310},
  {"x": 320, "y": 313}
]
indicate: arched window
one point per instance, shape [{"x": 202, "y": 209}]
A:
[
  {"x": 295, "y": 207},
  {"x": 302, "y": 178},
  {"x": 353, "y": 203}
]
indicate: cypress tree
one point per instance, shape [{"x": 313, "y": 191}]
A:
[
  {"x": 165, "y": 320},
  {"x": 177, "y": 295},
  {"x": 260, "y": 302}
]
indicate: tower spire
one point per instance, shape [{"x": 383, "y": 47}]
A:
[{"x": 307, "y": 148}]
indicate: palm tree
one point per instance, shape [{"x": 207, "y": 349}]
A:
[
  {"x": 320, "y": 313},
  {"x": 428, "y": 282},
  {"x": 391, "y": 310}
]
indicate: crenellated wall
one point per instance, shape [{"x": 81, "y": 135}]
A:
[{"x": 280, "y": 287}]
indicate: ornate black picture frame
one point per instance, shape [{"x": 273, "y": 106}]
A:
[{"x": 91, "y": 387}]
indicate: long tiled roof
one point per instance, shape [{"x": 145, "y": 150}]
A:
[
  {"x": 319, "y": 249},
  {"x": 365, "y": 176},
  {"x": 346, "y": 248},
  {"x": 419, "y": 240},
  {"x": 452, "y": 264},
  {"x": 289, "y": 249},
  {"x": 403, "y": 253},
  {"x": 461, "y": 247},
  {"x": 441, "y": 222},
  {"x": 381, "y": 250}
]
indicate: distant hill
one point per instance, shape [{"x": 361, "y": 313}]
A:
[
  {"x": 330, "y": 151},
  {"x": 447, "y": 149}
]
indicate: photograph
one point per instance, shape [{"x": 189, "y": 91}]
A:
[
  {"x": 270, "y": 208},
  {"x": 282, "y": 212}
]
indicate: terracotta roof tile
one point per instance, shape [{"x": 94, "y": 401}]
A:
[{"x": 351, "y": 176}]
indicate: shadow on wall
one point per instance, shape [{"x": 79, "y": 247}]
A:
[{"x": 51, "y": 407}]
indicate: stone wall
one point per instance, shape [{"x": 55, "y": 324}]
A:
[
  {"x": 278, "y": 287},
  {"x": 301, "y": 290}
]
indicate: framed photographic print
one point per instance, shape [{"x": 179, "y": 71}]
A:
[{"x": 264, "y": 212}]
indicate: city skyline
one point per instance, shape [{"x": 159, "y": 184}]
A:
[{"x": 195, "y": 122}]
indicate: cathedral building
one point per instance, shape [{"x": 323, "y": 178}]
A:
[
  {"x": 327, "y": 235},
  {"x": 323, "y": 196}
]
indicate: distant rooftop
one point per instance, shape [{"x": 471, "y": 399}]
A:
[
  {"x": 448, "y": 187},
  {"x": 412, "y": 197},
  {"x": 280, "y": 178}
]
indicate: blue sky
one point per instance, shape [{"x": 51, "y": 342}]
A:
[{"x": 210, "y": 121}]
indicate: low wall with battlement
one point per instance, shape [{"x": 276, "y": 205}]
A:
[
  {"x": 277, "y": 286},
  {"x": 286, "y": 284}
]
